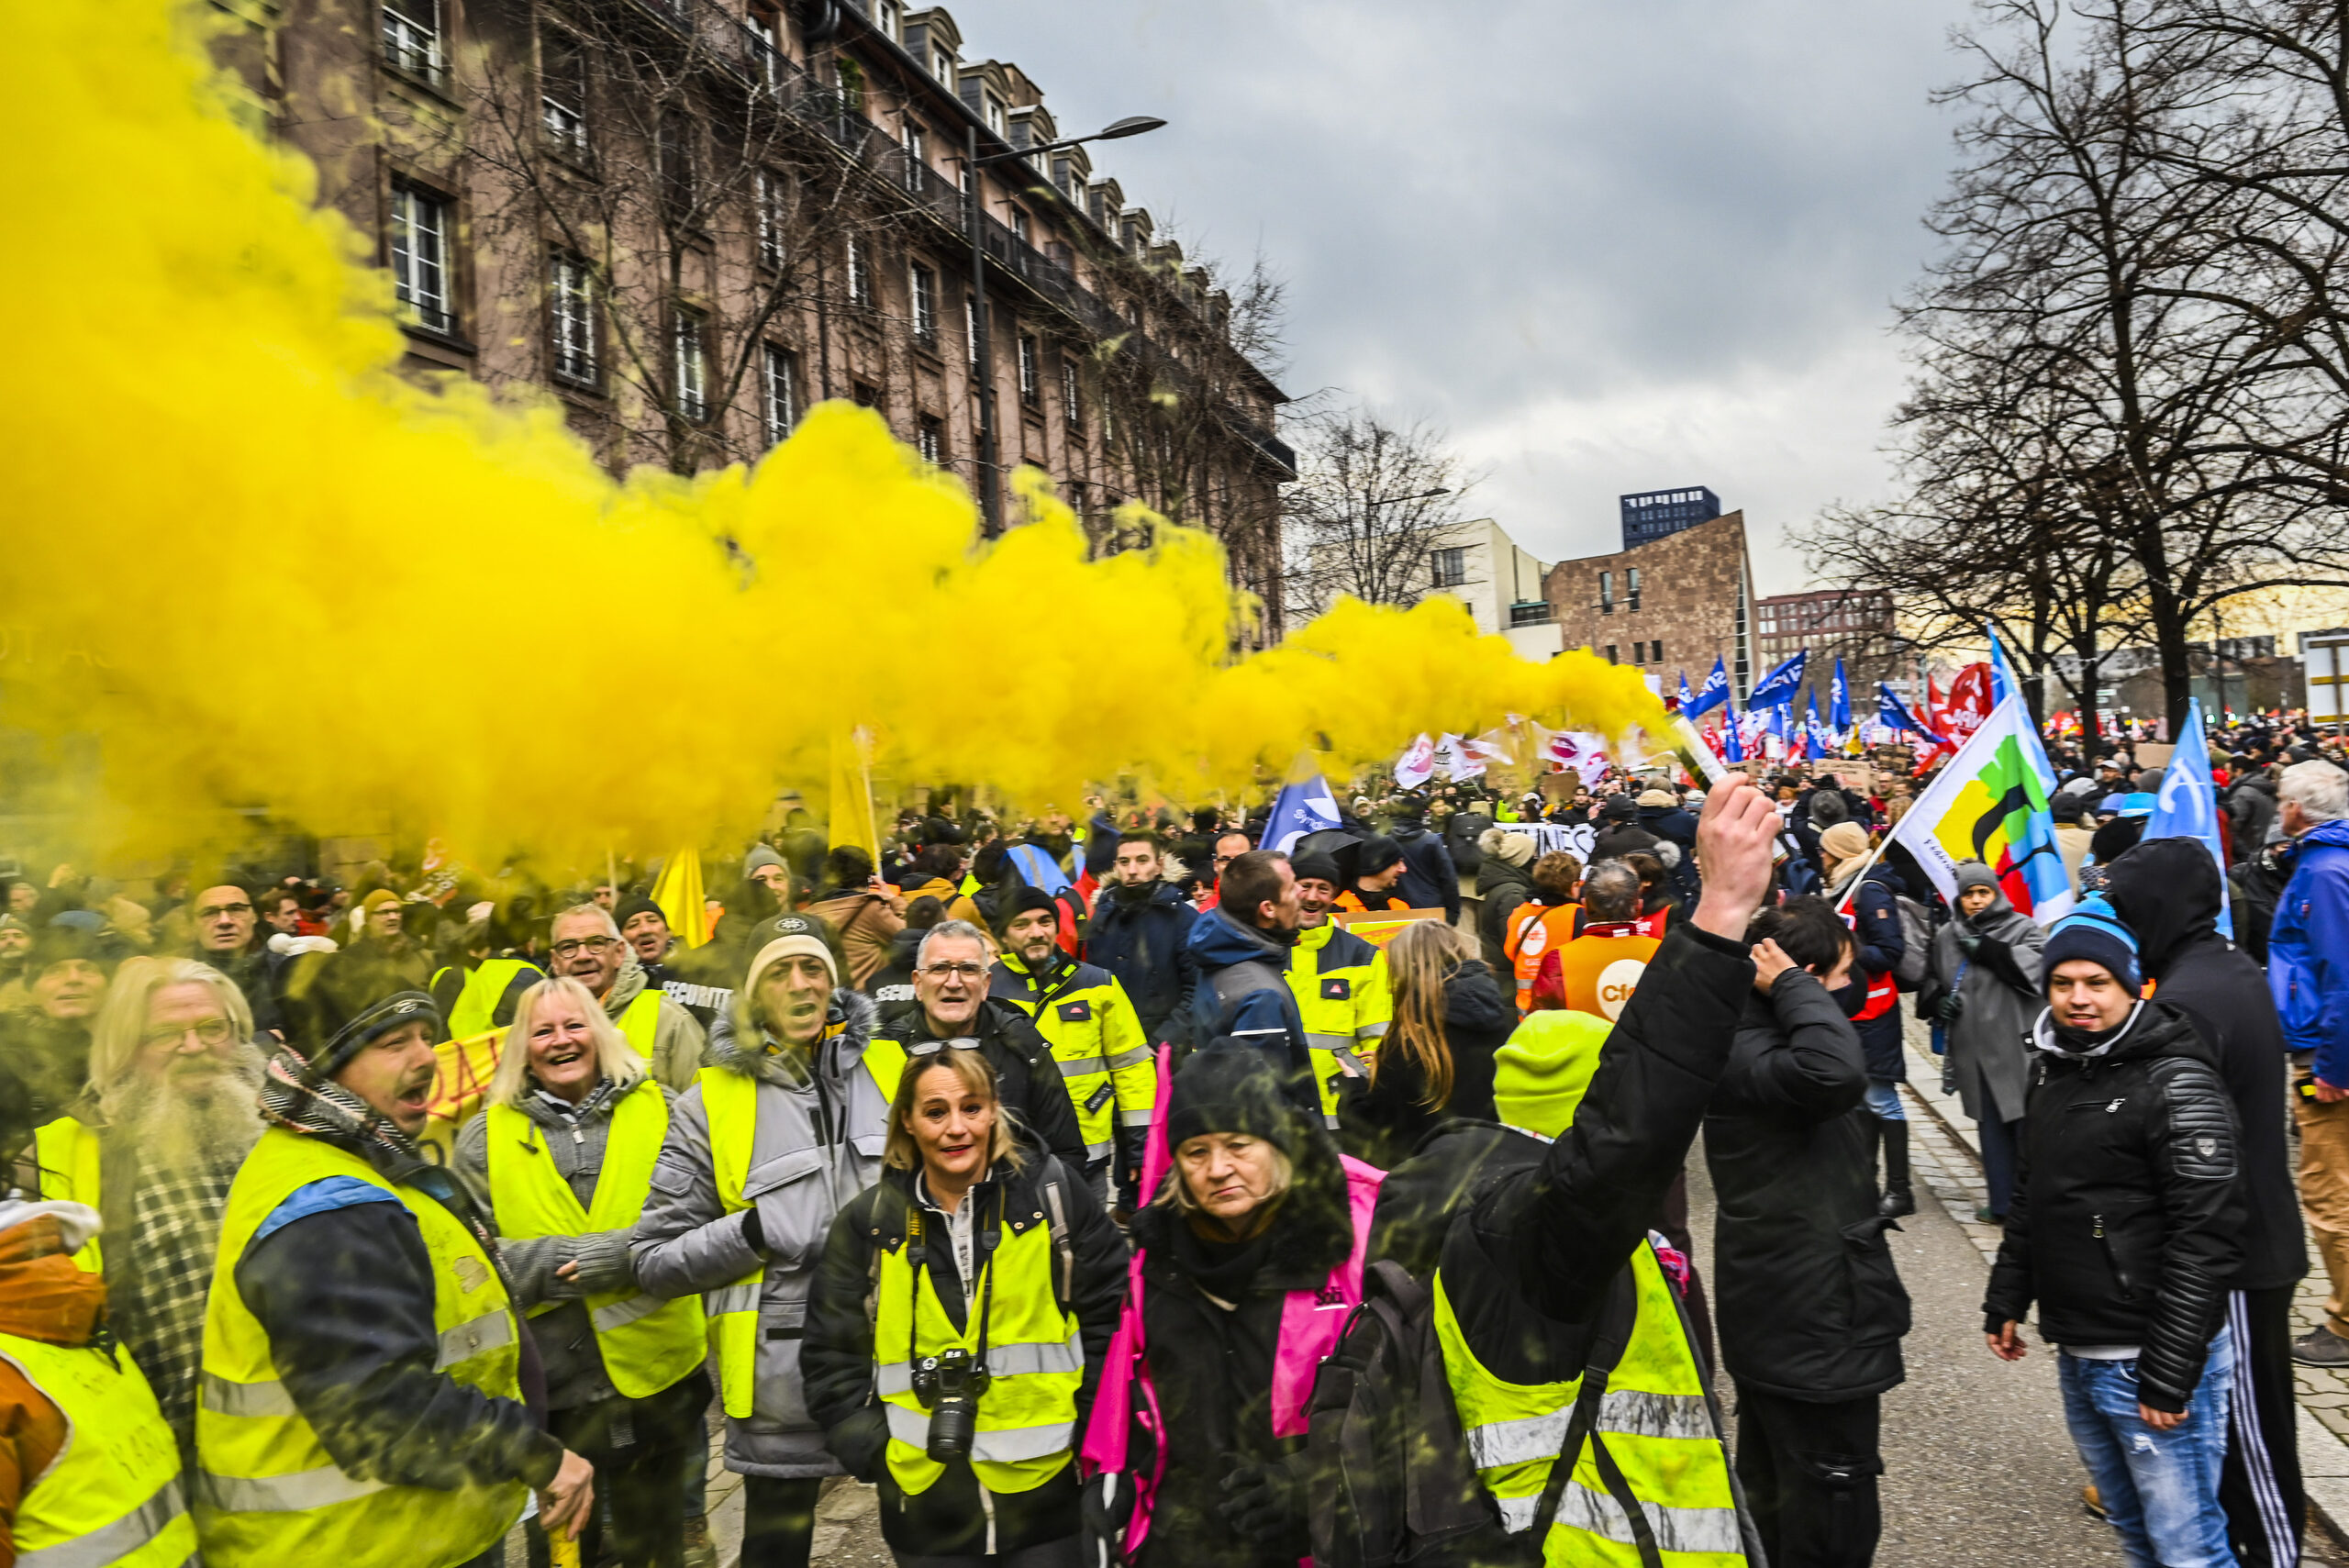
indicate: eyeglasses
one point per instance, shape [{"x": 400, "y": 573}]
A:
[
  {"x": 214, "y": 911},
  {"x": 932, "y": 1047},
  {"x": 209, "y": 1032},
  {"x": 582, "y": 944},
  {"x": 966, "y": 971}
]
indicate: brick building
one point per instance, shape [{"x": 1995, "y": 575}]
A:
[
  {"x": 1669, "y": 606},
  {"x": 687, "y": 219},
  {"x": 1854, "y": 624}
]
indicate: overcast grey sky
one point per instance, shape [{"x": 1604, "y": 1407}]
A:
[{"x": 1610, "y": 245}]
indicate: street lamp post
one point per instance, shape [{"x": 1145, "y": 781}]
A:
[{"x": 981, "y": 345}]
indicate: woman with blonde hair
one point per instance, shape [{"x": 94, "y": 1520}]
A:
[
  {"x": 1437, "y": 1057},
  {"x": 561, "y": 1160},
  {"x": 957, "y": 1325}
]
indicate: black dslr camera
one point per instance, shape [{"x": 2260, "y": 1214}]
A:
[{"x": 949, "y": 1385}]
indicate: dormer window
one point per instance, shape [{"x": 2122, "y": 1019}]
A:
[
  {"x": 996, "y": 120},
  {"x": 941, "y": 65}
]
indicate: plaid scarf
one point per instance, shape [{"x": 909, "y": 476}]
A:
[{"x": 291, "y": 1098}]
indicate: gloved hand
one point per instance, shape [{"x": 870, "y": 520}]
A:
[
  {"x": 860, "y": 1442},
  {"x": 1102, "y": 1506},
  {"x": 1953, "y": 1007},
  {"x": 1968, "y": 942},
  {"x": 1265, "y": 1505}
]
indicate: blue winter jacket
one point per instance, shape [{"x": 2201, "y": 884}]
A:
[
  {"x": 2308, "y": 951},
  {"x": 1244, "y": 992}
]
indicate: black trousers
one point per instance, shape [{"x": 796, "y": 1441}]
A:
[
  {"x": 950, "y": 1521},
  {"x": 2260, "y": 1486},
  {"x": 778, "y": 1520},
  {"x": 638, "y": 1448},
  {"x": 1811, "y": 1473}
]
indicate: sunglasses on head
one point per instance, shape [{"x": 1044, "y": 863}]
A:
[{"x": 932, "y": 1047}]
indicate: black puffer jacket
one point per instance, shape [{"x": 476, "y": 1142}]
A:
[
  {"x": 1810, "y": 1305},
  {"x": 1141, "y": 935},
  {"x": 1028, "y": 1076},
  {"x": 1429, "y": 881},
  {"x": 1384, "y": 1123},
  {"x": 2128, "y": 1217},
  {"x": 2167, "y": 890}
]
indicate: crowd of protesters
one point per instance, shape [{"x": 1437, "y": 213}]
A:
[{"x": 1096, "y": 1190}]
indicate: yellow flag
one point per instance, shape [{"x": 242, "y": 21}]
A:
[{"x": 679, "y": 894}]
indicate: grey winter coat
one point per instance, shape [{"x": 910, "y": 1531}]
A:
[
  {"x": 820, "y": 1129},
  {"x": 1988, "y": 1058},
  {"x": 567, "y": 1338}
]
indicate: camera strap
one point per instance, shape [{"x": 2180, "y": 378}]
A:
[{"x": 918, "y": 1264}]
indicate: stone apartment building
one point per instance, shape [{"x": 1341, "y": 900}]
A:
[
  {"x": 689, "y": 219},
  {"x": 1856, "y": 625},
  {"x": 1672, "y": 605}
]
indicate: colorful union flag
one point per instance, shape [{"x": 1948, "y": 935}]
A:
[{"x": 1988, "y": 804}]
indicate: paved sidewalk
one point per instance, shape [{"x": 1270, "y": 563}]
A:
[{"x": 1948, "y": 1159}]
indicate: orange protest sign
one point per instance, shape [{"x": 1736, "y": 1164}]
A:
[{"x": 1377, "y": 926}]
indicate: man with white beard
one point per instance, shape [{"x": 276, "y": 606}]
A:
[{"x": 153, "y": 1145}]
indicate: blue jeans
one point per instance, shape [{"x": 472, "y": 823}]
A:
[
  {"x": 2160, "y": 1489},
  {"x": 1884, "y": 1100}
]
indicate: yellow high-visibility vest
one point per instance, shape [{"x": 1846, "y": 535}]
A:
[
  {"x": 269, "y": 1494},
  {"x": 1035, "y": 1359},
  {"x": 475, "y": 1009},
  {"x": 1652, "y": 1417},
  {"x": 112, "y": 1497},
  {"x": 67, "y": 1152},
  {"x": 640, "y": 1021},
  {"x": 1343, "y": 996},
  {"x": 646, "y": 1344},
  {"x": 1105, "y": 1059}
]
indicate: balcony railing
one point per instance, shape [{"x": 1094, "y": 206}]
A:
[{"x": 1529, "y": 612}]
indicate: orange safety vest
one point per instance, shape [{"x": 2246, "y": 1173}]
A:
[
  {"x": 1535, "y": 929},
  {"x": 1600, "y": 968},
  {"x": 1350, "y": 900}
]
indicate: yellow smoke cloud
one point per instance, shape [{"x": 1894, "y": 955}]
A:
[{"x": 258, "y": 567}]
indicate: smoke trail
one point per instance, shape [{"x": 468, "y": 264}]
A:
[{"x": 256, "y": 566}]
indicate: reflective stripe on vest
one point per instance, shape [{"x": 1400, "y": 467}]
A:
[
  {"x": 729, "y": 1101},
  {"x": 268, "y": 1491},
  {"x": 67, "y": 1153},
  {"x": 1106, "y": 1066},
  {"x": 111, "y": 1496},
  {"x": 646, "y": 1343},
  {"x": 640, "y": 1021},
  {"x": 1344, "y": 1006},
  {"x": 1035, "y": 1358},
  {"x": 1535, "y": 929},
  {"x": 1654, "y": 1419}
]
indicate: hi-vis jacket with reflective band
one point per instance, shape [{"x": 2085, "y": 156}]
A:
[
  {"x": 112, "y": 1497},
  {"x": 1535, "y": 929},
  {"x": 646, "y": 1344},
  {"x": 268, "y": 1493},
  {"x": 67, "y": 1153},
  {"x": 475, "y": 1009},
  {"x": 1340, "y": 983},
  {"x": 1648, "y": 1439},
  {"x": 1084, "y": 1014},
  {"x": 1035, "y": 1358}
]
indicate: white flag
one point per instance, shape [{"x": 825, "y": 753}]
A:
[
  {"x": 1417, "y": 764},
  {"x": 1492, "y": 746},
  {"x": 1456, "y": 760}
]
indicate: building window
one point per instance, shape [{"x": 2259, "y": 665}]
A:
[
  {"x": 1072, "y": 406},
  {"x": 1632, "y": 585},
  {"x": 1020, "y": 225},
  {"x": 941, "y": 65},
  {"x": 1030, "y": 367},
  {"x": 859, "y": 273},
  {"x": 1607, "y": 602},
  {"x": 572, "y": 311},
  {"x": 562, "y": 94},
  {"x": 923, "y": 289},
  {"x": 971, "y": 328},
  {"x": 1657, "y": 648},
  {"x": 1450, "y": 568},
  {"x": 885, "y": 20},
  {"x": 778, "y": 392},
  {"x": 994, "y": 115},
  {"x": 691, "y": 367},
  {"x": 412, "y": 40},
  {"x": 1611, "y": 654},
  {"x": 772, "y": 193},
  {"x": 867, "y": 395},
  {"x": 766, "y": 47},
  {"x": 420, "y": 257},
  {"x": 929, "y": 440},
  {"x": 917, "y": 157}
]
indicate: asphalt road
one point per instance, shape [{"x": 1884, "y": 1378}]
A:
[{"x": 1977, "y": 1466}]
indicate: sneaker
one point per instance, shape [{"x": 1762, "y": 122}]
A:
[
  {"x": 700, "y": 1552},
  {"x": 2320, "y": 1347},
  {"x": 1897, "y": 1203},
  {"x": 1984, "y": 1217}
]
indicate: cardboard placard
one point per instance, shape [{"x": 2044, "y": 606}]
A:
[{"x": 1377, "y": 926}]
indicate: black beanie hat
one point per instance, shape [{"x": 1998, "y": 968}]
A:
[
  {"x": 370, "y": 1024},
  {"x": 1318, "y": 868},
  {"x": 1028, "y": 898},
  {"x": 1620, "y": 809},
  {"x": 1377, "y": 854},
  {"x": 1228, "y": 1087},
  {"x": 629, "y": 908}
]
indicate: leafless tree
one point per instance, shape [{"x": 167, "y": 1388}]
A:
[{"x": 1373, "y": 501}]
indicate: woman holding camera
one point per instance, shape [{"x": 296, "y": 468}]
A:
[
  {"x": 1249, "y": 1258},
  {"x": 562, "y": 1156},
  {"x": 957, "y": 1325}
]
